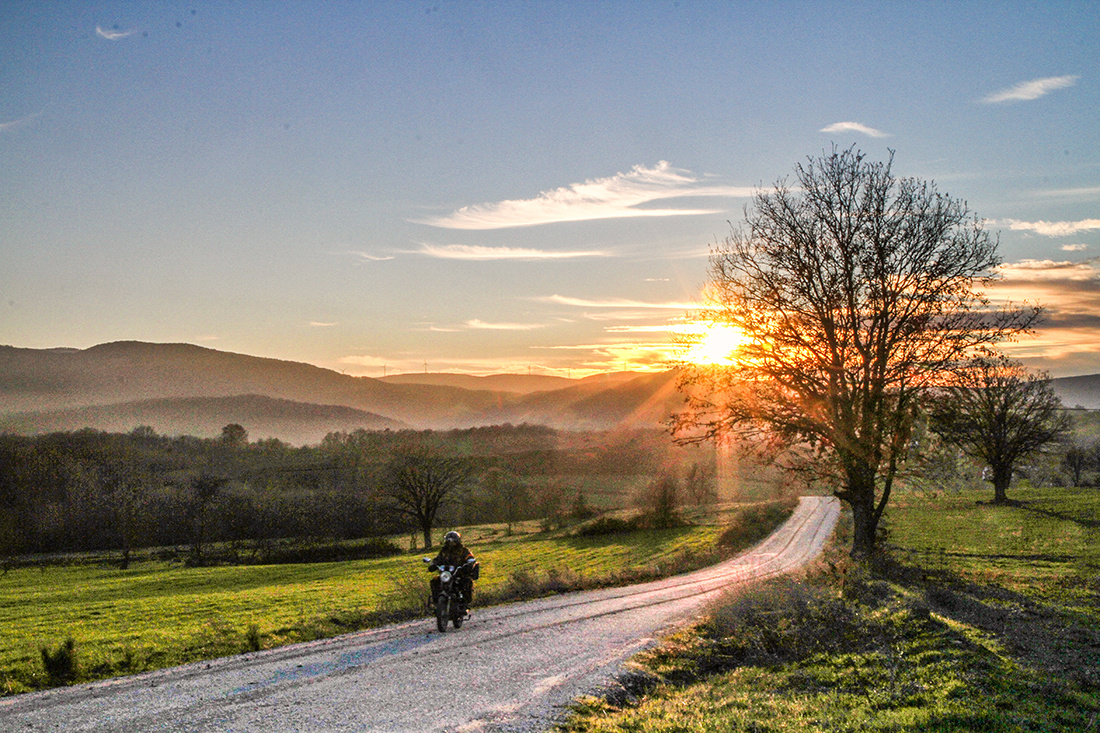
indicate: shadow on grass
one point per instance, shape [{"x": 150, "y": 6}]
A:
[
  {"x": 1060, "y": 516},
  {"x": 1037, "y": 635}
]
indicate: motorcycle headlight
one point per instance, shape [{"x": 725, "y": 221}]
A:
[{"x": 445, "y": 577}]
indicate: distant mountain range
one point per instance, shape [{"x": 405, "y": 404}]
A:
[
  {"x": 185, "y": 389},
  {"x": 520, "y": 383},
  {"x": 1079, "y": 391}
]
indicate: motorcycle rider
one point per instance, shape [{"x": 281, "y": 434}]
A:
[{"x": 453, "y": 552}]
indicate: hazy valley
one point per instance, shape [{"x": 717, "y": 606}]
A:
[{"x": 187, "y": 389}]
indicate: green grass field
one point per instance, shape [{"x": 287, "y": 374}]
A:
[
  {"x": 157, "y": 614},
  {"x": 983, "y": 619},
  {"x": 1046, "y": 548}
]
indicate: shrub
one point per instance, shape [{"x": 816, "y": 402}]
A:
[
  {"x": 252, "y": 638},
  {"x": 755, "y": 522},
  {"x": 521, "y": 584},
  {"x": 780, "y": 621},
  {"x": 606, "y": 526},
  {"x": 660, "y": 502},
  {"x": 365, "y": 550},
  {"x": 408, "y": 596},
  {"x": 580, "y": 509}
]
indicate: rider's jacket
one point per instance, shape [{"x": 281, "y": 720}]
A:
[{"x": 451, "y": 555}]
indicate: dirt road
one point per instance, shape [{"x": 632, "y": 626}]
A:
[{"x": 510, "y": 668}]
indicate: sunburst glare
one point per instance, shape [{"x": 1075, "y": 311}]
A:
[{"x": 716, "y": 345}]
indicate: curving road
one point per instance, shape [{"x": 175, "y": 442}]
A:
[{"x": 511, "y": 668}]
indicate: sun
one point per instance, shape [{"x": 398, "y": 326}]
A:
[{"x": 716, "y": 345}]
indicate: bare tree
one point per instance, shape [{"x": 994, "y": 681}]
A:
[
  {"x": 507, "y": 496},
  {"x": 998, "y": 412},
  {"x": 419, "y": 482},
  {"x": 1080, "y": 458},
  {"x": 660, "y": 501},
  {"x": 699, "y": 485},
  {"x": 205, "y": 488},
  {"x": 855, "y": 291},
  {"x": 125, "y": 485}
]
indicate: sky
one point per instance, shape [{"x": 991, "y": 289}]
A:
[{"x": 485, "y": 187}]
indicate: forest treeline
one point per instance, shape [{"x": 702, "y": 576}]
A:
[{"x": 87, "y": 490}]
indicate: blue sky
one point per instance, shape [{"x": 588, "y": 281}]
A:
[{"x": 505, "y": 186}]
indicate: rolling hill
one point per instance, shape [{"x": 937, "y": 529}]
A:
[
  {"x": 183, "y": 388},
  {"x": 1079, "y": 391},
  {"x": 298, "y": 423}
]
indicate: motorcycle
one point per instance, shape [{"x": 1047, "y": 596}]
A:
[{"x": 450, "y": 605}]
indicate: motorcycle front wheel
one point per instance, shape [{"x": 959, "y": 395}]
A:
[{"x": 442, "y": 612}]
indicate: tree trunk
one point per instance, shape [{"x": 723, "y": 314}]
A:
[
  {"x": 860, "y": 495},
  {"x": 1002, "y": 477},
  {"x": 427, "y": 529},
  {"x": 865, "y": 527}
]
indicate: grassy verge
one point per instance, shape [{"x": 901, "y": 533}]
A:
[
  {"x": 983, "y": 619},
  {"x": 157, "y": 614}
]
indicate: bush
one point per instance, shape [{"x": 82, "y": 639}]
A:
[
  {"x": 252, "y": 638},
  {"x": 784, "y": 620},
  {"x": 368, "y": 549},
  {"x": 61, "y": 665},
  {"x": 580, "y": 509},
  {"x": 408, "y": 596},
  {"x": 521, "y": 584},
  {"x": 660, "y": 502},
  {"x": 605, "y": 526},
  {"x": 755, "y": 522}
]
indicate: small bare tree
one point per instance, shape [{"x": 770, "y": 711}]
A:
[
  {"x": 999, "y": 413},
  {"x": 1080, "y": 458},
  {"x": 419, "y": 482},
  {"x": 205, "y": 488}
]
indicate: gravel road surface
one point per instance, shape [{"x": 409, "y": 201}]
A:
[{"x": 510, "y": 668}]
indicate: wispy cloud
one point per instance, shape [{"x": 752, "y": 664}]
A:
[
  {"x": 112, "y": 34},
  {"x": 1067, "y": 290},
  {"x": 1074, "y": 247},
  {"x": 482, "y": 253},
  {"x": 854, "y": 127},
  {"x": 1054, "y": 228},
  {"x": 647, "y": 328},
  {"x": 321, "y": 324},
  {"x": 1028, "y": 90},
  {"x": 1065, "y": 340},
  {"x": 378, "y": 366},
  {"x": 477, "y": 324},
  {"x": 614, "y": 356},
  {"x": 1035, "y": 271},
  {"x": 12, "y": 124},
  {"x": 617, "y": 303},
  {"x": 367, "y": 256},
  {"x": 618, "y": 196},
  {"x": 1081, "y": 192}
]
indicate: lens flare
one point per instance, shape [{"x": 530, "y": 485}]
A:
[{"x": 717, "y": 345}]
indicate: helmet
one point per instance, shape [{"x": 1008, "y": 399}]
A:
[{"x": 452, "y": 539}]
